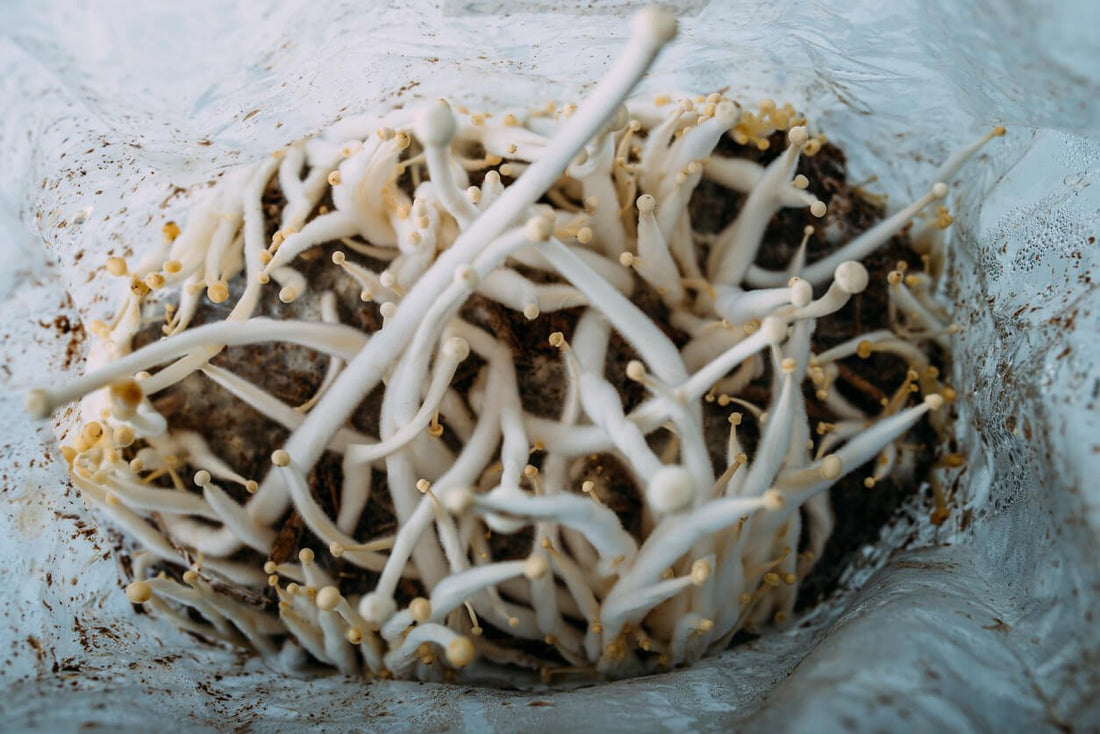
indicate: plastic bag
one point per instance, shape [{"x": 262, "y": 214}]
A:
[{"x": 985, "y": 622}]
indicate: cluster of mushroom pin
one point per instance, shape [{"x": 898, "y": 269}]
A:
[{"x": 431, "y": 207}]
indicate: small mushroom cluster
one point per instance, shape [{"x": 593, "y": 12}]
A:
[{"x": 572, "y": 210}]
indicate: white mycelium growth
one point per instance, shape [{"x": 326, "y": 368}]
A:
[{"x": 596, "y": 212}]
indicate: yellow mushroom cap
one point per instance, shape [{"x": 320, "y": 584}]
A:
[
  {"x": 535, "y": 567},
  {"x": 773, "y": 500},
  {"x": 420, "y": 609},
  {"x": 831, "y": 467},
  {"x": 139, "y": 592},
  {"x": 460, "y": 652},
  {"x": 328, "y": 598},
  {"x": 700, "y": 572}
]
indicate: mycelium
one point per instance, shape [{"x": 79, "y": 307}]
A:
[{"x": 442, "y": 226}]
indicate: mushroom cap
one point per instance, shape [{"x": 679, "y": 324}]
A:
[
  {"x": 831, "y": 467},
  {"x": 458, "y": 501},
  {"x": 726, "y": 112},
  {"x": 653, "y": 24},
  {"x": 798, "y": 135},
  {"x": 328, "y": 598},
  {"x": 801, "y": 292},
  {"x": 671, "y": 489},
  {"x": 851, "y": 276},
  {"x": 435, "y": 125},
  {"x": 460, "y": 652},
  {"x": 773, "y": 330},
  {"x": 535, "y": 567},
  {"x": 619, "y": 119},
  {"x": 139, "y": 592},
  {"x": 456, "y": 348},
  {"x": 420, "y": 609},
  {"x": 376, "y": 608},
  {"x": 539, "y": 228}
]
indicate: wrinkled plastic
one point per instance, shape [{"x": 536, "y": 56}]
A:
[{"x": 112, "y": 112}]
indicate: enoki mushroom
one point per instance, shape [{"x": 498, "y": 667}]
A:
[{"x": 447, "y": 227}]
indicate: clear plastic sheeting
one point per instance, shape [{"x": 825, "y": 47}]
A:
[{"x": 114, "y": 112}]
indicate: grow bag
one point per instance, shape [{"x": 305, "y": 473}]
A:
[{"x": 983, "y": 622}]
